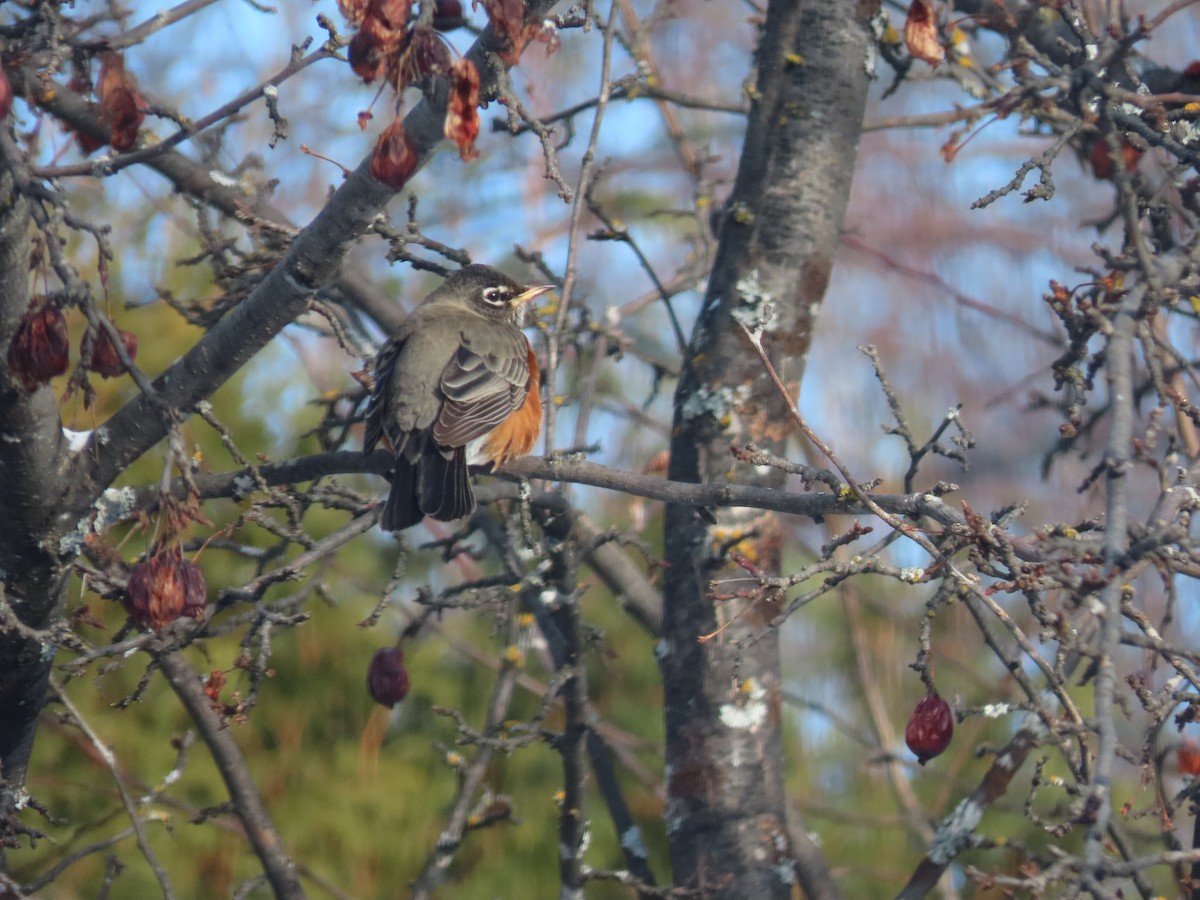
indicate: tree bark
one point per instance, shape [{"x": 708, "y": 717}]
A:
[
  {"x": 720, "y": 660},
  {"x": 32, "y": 457}
]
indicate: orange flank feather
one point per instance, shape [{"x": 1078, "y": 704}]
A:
[{"x": 517, "y": 434}]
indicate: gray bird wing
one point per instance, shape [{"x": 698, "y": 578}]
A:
[
  {"x": 406, "y": 400},
  {"x": 420, "y": 393},
  {"x": 483, "y": 384}
]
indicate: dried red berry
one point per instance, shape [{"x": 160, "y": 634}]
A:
[
  {"x": 371, "y": 47},
  {"x": 40, "y": 347},
  {"x": 393, "y": 161},
  {"x": 921, "y": 34},
  {"x": 105, "y": 361},
  {"x": 387, "y": 679},
  {"x": 164, "y": 587},
  {"x": 508, "y": 24},
  {"x": 448, "y": 15},
  {"x": 929, "y": 728},
  {"x": 121, "y": 106},
  {"x": 1189, "y": 757},
  {"x": 462, "y": 112},
  {"x": 1103, "y": 165},
  {"x": 214, "y": 685},
  {"x": 426, "y": 55}
]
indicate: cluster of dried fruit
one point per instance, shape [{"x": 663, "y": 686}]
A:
[
  {"x": 122, "y": 108},
  {"x": 40, "y": 348},
  {"x": 390, "y": 44},
  {"x": 401, "y": 48}
]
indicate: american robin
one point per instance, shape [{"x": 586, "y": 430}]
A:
[{"x": 457, "y": 386}]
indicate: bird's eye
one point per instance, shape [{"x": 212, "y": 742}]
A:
[{"x": 496, "y": 296}]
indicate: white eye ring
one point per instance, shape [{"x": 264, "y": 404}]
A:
[{"x": 496, "y": 296}]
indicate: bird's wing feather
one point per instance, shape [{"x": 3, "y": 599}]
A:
[
  {"x": 483, "y": 385},
  {"x": 377, "y": 408},
  {"x": 406, "y": 399}
]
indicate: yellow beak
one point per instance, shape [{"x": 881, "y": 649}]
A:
[{"x": 531, "y": 293}]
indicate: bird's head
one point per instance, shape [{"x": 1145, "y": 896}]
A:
[{"x": 488, "y": 292}]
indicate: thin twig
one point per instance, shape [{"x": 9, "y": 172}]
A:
[
  {"x": 231, "y": 763},
  {"x": 109, "y": 759},
  {"x": 586, "y": 170}
]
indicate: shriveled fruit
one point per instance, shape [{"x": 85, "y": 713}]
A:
[
  {"x": 387, "y": 678},
  {"x": 930, "y": 728}
]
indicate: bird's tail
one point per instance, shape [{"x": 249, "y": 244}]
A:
[
  {"x": 445, "y": 486},
  {"x": 401, "y": 509},
  {"x": 431, "y": 486}
]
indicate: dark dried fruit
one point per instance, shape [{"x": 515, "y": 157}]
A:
[
  {"x": 448, "y": 15},
  {"x": 40, "y": 348},
  {"x": 121, "y": 106},
  {"x": 88, "y": 144},
  {"x": 921, "y": 33},
  {"x": 105, "y": 361},
  {"x": 426, "y": 55},
  {"x": 929, "y": 728},
  {"x": 366, "y": 60},
  {"x": 1103, "y": 164},
  {"x": 508, "y": 24},
  {"x": 164, "y": 587},
  {"x": 462, "y": 112},
  {"x": 214, "y": 685},
  {"x": 1189, "y": 757},
  {"x": 387, "y": 679},
  {"x": 371, "y": 48},
  {"x": 393, "y": 161},
  {"x": 375, "y": 49}
]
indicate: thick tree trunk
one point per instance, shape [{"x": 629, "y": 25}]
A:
[
  {"x": 31, "y": 488},
  {"x": 720, "y": 659}
]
